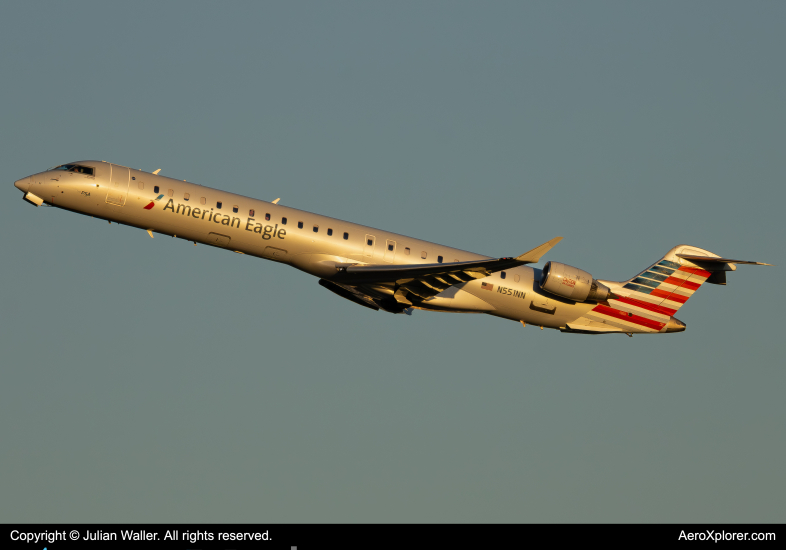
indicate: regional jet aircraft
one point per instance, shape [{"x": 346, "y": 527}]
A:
[{"x": 383, "y": 270}]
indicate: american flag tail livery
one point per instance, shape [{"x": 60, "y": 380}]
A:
[{"x": 647, "y": 302}]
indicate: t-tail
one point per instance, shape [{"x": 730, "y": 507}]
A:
[{"x": 647, "y": 302}]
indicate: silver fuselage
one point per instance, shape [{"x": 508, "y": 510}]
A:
[{"x": 309, "y": 242}]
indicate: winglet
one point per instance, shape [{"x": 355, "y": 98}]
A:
[
  {"x": 534, "y": 255},
  {"x": 157, "y": 171},
  {"x": 276, "y": 201}
]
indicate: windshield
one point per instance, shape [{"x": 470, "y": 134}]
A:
[{"x": 75, "y": 168}]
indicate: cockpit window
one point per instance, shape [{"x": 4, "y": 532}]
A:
[{"x": 86, "y": 170}]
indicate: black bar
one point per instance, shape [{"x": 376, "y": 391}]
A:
[{"x": 343, "y": 536}]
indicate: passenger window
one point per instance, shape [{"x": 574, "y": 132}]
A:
[
  {"x": 171, "y": 192},
  {"x": 330, "y": 232},
  {"x": 267, "y": 217},
  {"x": 155, "y": 189},
  {"x": 517, "y": 278},
  {"x": 203, "y": 200},
  {"x": 423, "y": 254},
  {"x": 503, "y": 274},
  {"x": 316, "y": 229},
  {"x": 141, "y": 184},
  {"x": 439, "y": 259},
  {"x": 283, "y": 221},
  {"x": 235, "y": 209},
  {"x": 186, "y": 196},
  {"x": 406, "y": 251},
  {"x": 390, "y": 247},
  {"x": 251, "y": 213},
  {"x": 346, "y": 236},
  {"x": 300, "y": 225},
  {"x": 218, "y": 205},
  {"x": 370, "y": 242}
]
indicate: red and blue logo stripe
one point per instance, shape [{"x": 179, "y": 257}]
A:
[{"x": 153, "y": 202}]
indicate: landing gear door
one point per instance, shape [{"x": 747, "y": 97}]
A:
[{"x": 118, "y": 185}]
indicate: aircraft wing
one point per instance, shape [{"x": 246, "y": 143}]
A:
[{"x": 427, "y": 280}]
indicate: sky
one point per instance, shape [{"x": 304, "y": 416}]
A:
[{"x": 148, "y": 380}]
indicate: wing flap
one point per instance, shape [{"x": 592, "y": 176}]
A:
[
  {"x": 361, "y": 298},
  {"x": 349, "y": 294}
]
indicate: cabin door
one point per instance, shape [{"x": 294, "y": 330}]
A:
[{"x": 118, "y": 185}]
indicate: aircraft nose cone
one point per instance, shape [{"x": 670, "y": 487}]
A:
[{"x": 22, "y": 184}]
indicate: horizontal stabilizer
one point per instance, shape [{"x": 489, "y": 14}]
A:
[{"x": 710, "y": 259}]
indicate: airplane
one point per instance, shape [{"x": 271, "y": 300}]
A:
[{"x": 381, "y": 270}]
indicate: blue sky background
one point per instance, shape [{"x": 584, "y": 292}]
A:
[{"x": 151, "y": 380}]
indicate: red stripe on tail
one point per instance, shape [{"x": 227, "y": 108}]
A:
[
  {"x": 673, "y": 296},
  {"x": 646, "y": 305},
  {"x": 631, "y": 318},
  {"x": 682, "y": 283}
]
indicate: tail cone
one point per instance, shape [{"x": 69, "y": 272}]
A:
[{"x": 675, "y": 325}]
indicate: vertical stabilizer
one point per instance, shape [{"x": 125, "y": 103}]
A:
[
  {"x": 647, "y": 302},
  {"x": 668, "y": 283}
]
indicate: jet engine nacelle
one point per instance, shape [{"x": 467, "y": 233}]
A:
[{"x": 572, "y": 283}]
